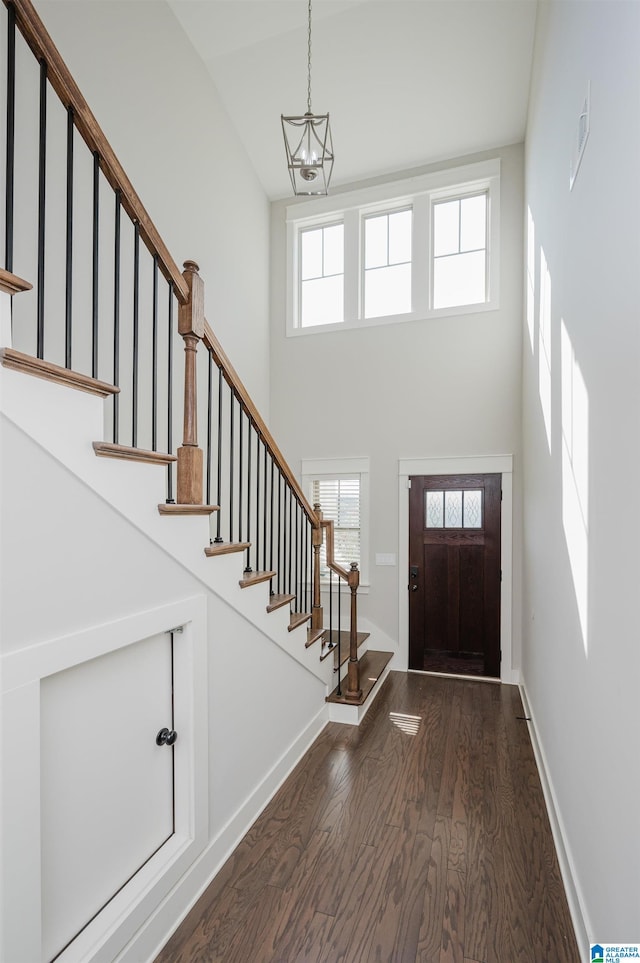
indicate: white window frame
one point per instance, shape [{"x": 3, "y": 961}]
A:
[
  {"x": 418, "y": 193},
  {"x": 299, "y": 279},
  {"x": 327, "y": 469}
]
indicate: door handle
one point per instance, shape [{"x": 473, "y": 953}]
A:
[
  {"x": 414, "y": 587},
  {"x": 166, "y": 737}
]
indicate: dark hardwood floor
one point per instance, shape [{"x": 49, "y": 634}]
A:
[{"x": 422, "y": 835}]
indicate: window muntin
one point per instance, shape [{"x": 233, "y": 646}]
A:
[
  {"x": 453, "y": 508},
  {"x": 387, "y": 263},
  {"x": 460, "y": 251},
  {"x": 340, "y": 501},
  {"x": 322, "y": 275}
]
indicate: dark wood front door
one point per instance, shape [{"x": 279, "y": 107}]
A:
[{"x": 454, "y": 573}]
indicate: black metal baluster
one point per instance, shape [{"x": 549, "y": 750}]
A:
[
  {"x": 306, "y": 563},
  {"x": 290, "y": 539},
  {"x": 249, "y": 539},
  {"x": 273, "y": 526},
  {"x": 296, "y": 544},
  {"x": 11, "y": 126},
  {"x": 95, "y": 262},
  {"x": 257, "y": 500},
  {"x": 218, "y": 537},
  {"x": 42, "y": 195},
  {"x": 116, "y": 316},
  {"x": 264, "y": 506},
  {"x": 240, "y": 470},
  {"x": 154, "y": 357},
  {"x": 339, "y": 634},
  {"x": 209, "y": 420},
  {"x": 280, "y": 532},
  {"x": 68, "y": 310},
  {"x": 231, "y": 461},
  {"x": 170, "y": 394},
  {"x": 330, "y": 609},
  {"x": 285, "y": 538},
  {"x": 136, "y": 324}
]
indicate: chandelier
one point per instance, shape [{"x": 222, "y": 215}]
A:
[{"x": 308, "y": 143}]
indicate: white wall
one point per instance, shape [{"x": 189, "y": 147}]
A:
[
  {"x": 162, "y": 115},
  {"x": 439, "y": 387},
  {"x": 581, "y": 659}
]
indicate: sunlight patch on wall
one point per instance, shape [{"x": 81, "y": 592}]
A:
[
  {"x": 531, "y": 278},
  {"x": 575, "y": 476},
  {"x": 544, "y": 348}
]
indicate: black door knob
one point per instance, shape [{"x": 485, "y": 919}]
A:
[{"x": 166, "y": 737}]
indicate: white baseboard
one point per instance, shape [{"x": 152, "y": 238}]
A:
[
  {"x": 576, "y": 903},
  {"x": 160, "y": 926}
]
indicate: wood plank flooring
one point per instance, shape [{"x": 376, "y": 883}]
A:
[{"x": 422, "y": 836}]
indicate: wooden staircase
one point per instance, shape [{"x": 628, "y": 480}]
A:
[{"x": 269, "y": 500}]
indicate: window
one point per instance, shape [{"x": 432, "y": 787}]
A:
[
  {"x": 339, "y": 499},
  {"x": 460, "y": 251},
  {"x": 453, "y": 509},
  {"x": 387, "y": 264},
  {"x": 322, "y": 275},
  {"x": 341, "y": 487},
  {"x": 414, "y": 249}
]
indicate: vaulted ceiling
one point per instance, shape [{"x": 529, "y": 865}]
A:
[{"x": 406, "y": 82}]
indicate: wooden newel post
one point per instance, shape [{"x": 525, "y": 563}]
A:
[
  {"x": 191, "y": 327},
  {"x": 316, "y": 541},
  {"x": 353, "y": 671}
]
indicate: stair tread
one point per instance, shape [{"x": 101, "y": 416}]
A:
[
  {"x": 254, "y": 578},
  {"x": 225, "y": 548},
  {"x": 298, "y": 618},
  {"x": 278, "y": 601},
  {"x": 107, "y": 449},
  {"x": 313, "y": 635},
  {"x": 372, "y": 665},
  {"x": 170, "y": 508},
  {"x": 27, "y": 364},
  {"x": 12, "y": 284},
  {"x": 345, "y": 641}
]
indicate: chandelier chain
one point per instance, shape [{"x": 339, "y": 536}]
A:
[{"x": 309, "y": 62}]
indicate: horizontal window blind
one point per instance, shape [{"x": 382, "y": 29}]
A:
[{"x": 339, "y": 499}]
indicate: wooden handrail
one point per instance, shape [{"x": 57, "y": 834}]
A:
[
  {"x": 42, "y": 46},
  {"x": 331, "y": 563},
  {"x": 232, "y": 378}
]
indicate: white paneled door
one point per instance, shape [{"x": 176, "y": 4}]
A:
[{"x": 106, "y": 785}]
